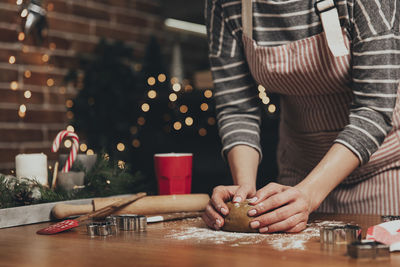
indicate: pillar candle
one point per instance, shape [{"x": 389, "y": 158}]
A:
[{"x": 33, "y": 166}]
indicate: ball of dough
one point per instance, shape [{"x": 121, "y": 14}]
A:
[{"x": 237, "y": 220}]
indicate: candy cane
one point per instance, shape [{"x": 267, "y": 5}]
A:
[{"x": 74, "y": 149}]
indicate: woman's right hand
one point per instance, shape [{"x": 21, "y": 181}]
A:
[{"x": 216, "y": 209}]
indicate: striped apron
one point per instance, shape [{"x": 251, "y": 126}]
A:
[{"x": 315, "y": 100}]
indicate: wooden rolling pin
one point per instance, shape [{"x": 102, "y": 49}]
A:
[{"x": 145, "y": 206}]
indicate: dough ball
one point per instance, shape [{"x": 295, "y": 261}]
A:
[{"x": 237, "y": 220}]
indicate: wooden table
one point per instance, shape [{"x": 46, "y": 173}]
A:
[{"x": 21, "y": 246}]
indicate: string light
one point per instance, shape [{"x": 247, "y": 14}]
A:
[
  {"x": 67, "y": 143},
  {"x": 22, "y": 108},
  {"x": 188, "y": 88},
  {"x": 89, "y": 152},
  {"x": 27, "y": 74},
  {"x": 137, "y": 67},
  {"x": 45, "y": 58},
  {"x": 11, "y": 60},
  {"x": 177, "y": 125},
  {"x": 266, "y": 100},
  {"x": 204, "y": 107},
  {"x": 14, "y": 85},
  {"x": 133, "y": 130},
  {"x": 121, "y": 164},
  {"x": 202, "y": 132},
  {"x": 120, "y": 147},
  {"x": 183, "y": 109},
  {"x": 62, "y": 90},
  {"x": 50, "y": 82},
  {"x": 208, "y": 93},
  {"x": 50, "y": 7},
  {"x": 70, "y": 128},
  {"x": 261, "y": 88},
  {"x": 189, "y": 121},
  {"x": 22, "y": 111},
  {"x": 52, "y": 46},
  {"x": 162, "y": 78},
  {"x": 21, "y": 36},
  {"x": 27, "y": 94},
  {"x": 211, "y": 121},
  {"x": 176, "y": 87},
  {"x": 145, "y": 107},
  {"x": 25, "y": 49},
  {"x": 83, "y": 147},
  {"x": 271, "y": 108},
  {"x": 21, "y": 114},
  {"x": 151, "y": 81},
  {"x": 19, "y": 2},
  {"x": 69, "y": 103},
  {"x": 24, "y": 13},
  {"x": 70, "y": 115},
  {"x": 174, "y": 80},
  {"x": 173, "y": 97},
  {"x": 141, "y": 121},
  {"x": 152, "y": 94},
  {"x": 136, "y": 143}
]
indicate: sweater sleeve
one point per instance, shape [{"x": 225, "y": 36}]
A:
[
  {"x": 235, "y": 92},
  {"x": 375, "y": 73}
]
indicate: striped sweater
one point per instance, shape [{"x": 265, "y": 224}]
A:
[{"x": 373, "y": 27}]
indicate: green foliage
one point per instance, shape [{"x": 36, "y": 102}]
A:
[{"x": 105, "y": 179}]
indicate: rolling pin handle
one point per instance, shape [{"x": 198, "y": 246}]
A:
[{"x": 61, "y": 211}]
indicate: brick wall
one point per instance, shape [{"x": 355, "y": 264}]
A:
[{"x": 74, "y": 26}]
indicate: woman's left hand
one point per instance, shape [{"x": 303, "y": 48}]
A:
[{"x": 280, "y": 208}]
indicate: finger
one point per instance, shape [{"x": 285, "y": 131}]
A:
[
  {"x": 278, "y": 215},
  {"x": 220, "y": 195},
  {"x": 243, "y": 193},
  {"x": 267, "y": 191},
  {"x": 276, "y": 201},
  {"x": 215, "y": 218},
  {"x": 285, "y": 225},
  {"x": 298, "y": 228},
  {"x": 207, "y": 220}
]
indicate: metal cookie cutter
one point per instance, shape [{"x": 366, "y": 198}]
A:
[
  {"x": 103, "y": 228},
  {"x": 368, "y": 249},
  {"x": 339, "y": 234},
  {"x": 388, "y": 218},
  {"x": 129, "y": 222}
]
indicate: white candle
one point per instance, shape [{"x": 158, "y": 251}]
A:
[{"x": 33, "y": 166}]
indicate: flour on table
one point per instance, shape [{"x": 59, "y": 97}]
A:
[{"x": 279, "y": 241}]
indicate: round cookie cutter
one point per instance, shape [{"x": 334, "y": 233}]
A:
[{"x": 339, "y": 234}]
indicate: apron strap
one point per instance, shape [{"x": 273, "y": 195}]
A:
[
  {"x": 328, "y": 13},
  {"x": 247, "y": 18}
]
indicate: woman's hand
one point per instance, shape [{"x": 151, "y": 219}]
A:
[
  {"x": 280, "y": 208},
  {"x": 216, "y": 208}
]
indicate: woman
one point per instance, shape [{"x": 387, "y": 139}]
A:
[{"x": 335, "y": 65}]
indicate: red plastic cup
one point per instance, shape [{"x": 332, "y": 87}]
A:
[{"x": 173, "y": 172}]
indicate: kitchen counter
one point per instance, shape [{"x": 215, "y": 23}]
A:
[{"x": 180, "y": 243}]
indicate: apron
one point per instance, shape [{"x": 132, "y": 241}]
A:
[{"x": 315, "y": 92}]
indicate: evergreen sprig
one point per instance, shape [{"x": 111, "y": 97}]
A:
[{"x": 106, "y": 178}]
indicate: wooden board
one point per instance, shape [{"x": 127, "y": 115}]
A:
[
  {"x": 34, "y": 213},
  {"x": 20, "y": 246}
]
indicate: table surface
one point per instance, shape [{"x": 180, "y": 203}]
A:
[{"x": 180, "y": 243}]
